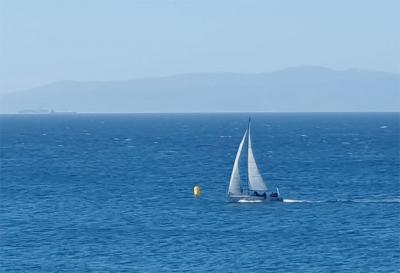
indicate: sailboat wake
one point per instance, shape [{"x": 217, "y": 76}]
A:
[
  {"x": 392, "y": 200},
  {"x": 299, "y": 201}
]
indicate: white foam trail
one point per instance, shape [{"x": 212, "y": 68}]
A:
[
  {"x": 300, "y": 201},
  {"x": 293, "y": 201},
  {"x": 394, "y": 200}
]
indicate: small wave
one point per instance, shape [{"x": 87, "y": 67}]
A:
[
  {"x": 224, "y": 136},
  {"x": 170, "y": 151},
  {"x": 383, "y": 127}
]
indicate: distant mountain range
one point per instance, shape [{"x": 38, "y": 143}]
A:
[{"x": 298, "y": 89}]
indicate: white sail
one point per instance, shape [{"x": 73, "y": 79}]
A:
[
  {"x": 255, "y": 180},
  {"x": 234, "y": 183}
]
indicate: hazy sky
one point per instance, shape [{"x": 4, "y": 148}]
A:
[{"x": 48, "y": 40}]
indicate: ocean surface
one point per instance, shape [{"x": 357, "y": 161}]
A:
[{"x": 113, "y": 193}]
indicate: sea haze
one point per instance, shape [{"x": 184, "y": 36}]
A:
[
  {"x": 98, "y": 193},
  {"x": 297, "y": 89}
]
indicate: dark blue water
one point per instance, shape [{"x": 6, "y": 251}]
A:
[{"x": 113, "y": 193}]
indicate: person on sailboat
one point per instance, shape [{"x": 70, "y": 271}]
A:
[
  {"x": 275, "y": 194},
  {"x": 260, "y": 194}
]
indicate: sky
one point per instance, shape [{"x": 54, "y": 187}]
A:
[{"x": 44, "y": 41}]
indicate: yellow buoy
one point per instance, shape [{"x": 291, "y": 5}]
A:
[{"x": 196, "y": 191}]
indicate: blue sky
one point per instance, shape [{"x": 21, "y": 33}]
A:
[{"x": 44, "y": 41}]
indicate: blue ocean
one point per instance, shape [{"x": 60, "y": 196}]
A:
[{"x": 114, "y": 193}]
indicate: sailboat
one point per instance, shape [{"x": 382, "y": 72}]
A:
[{"x": 257, "y": 190}]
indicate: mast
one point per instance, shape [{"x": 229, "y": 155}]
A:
[{"x": 248, "y": 145}]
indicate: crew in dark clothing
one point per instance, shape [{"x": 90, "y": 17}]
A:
[{"x": 258, "y": 194}]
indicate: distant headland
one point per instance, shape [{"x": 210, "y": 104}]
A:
[{"x": 296, "y": 89}]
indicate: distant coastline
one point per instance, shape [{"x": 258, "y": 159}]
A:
[
  {"x": 298, "y": 89},
  {"x": 44, "y": 112}
]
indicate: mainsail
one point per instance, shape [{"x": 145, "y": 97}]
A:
[
  {"x": 234, "y": 183},
  {"x": 255, "y": 180}
]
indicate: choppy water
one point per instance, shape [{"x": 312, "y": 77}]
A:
[{"x": 100, "y": 193}]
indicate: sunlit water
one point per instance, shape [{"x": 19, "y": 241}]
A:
[{"x": 99, "y": 193}]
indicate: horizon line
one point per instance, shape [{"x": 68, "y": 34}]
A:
[{"x": 73, "y": 113}]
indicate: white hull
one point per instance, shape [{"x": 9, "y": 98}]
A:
[{"x": 243, "y": 198}]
